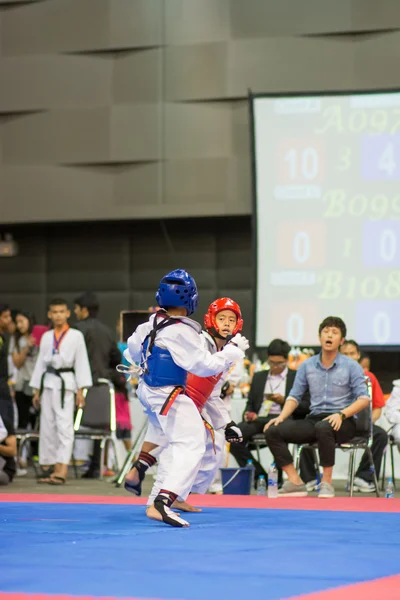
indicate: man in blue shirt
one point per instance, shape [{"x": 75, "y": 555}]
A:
[{"x": 337, "y": 392}]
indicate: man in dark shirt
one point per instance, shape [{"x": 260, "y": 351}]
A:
[
  {"x": 6, "y": 407},
  {"x": 103, "y": 354}
]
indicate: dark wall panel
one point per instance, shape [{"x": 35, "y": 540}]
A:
[
  {"x": 124, "y": 262},
  {"x": 138, "y": 108}
]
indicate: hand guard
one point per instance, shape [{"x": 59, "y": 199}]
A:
[
  {"x": 233, "y": 435},
  {"x": 240, "y": 341}
]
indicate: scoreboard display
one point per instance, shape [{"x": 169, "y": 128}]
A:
[{"x": 327, "y": 187}]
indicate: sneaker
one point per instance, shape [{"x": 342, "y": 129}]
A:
[
  {"x": 326, "y": 490},
  {"x": 363, "y": 486},
  {"x": 312, "y": 485},
  {"x": 21, "y": 472},
  {"x": 293, "y": 489}
]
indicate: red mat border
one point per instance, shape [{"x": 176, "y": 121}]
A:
[
  {"x": 355, "y": 504},
  {"x": 24, "y": 596},
  {"x": 386, "y": 587}
]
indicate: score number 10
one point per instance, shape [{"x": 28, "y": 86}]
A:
[{"x": 299, "y": 161}]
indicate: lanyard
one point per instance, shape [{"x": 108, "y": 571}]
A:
[
  {"x": 272, "y": 390},
  {"x": 57, "y": 341}
]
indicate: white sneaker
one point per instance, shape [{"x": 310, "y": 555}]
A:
[
  {"x": 326, "y": 490},
  {"x": 312, "y": 485},
  {"x": 21, "y": 472},
  {"x": 363, "y": 486}
]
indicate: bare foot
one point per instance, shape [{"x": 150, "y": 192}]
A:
[
  {"x": 185, "y": 507},
  {"x": 133, "y": 476},
  {"x": 153, "y": 514}
]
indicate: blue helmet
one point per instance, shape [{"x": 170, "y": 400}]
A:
[{"x": 178, "y": 288}]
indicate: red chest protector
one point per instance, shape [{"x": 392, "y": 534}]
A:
[{"x": 199, "y": 389}]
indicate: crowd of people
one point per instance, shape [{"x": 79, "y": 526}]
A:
[{"x": 185, "y": 379}]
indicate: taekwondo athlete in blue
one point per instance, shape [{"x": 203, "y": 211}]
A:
[{"x": 167, "y": 347}]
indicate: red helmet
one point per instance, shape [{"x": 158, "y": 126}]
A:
[{"x": 216, "y": 307}]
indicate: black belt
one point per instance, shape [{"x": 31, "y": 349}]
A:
[{"x": 57, "y": 372}]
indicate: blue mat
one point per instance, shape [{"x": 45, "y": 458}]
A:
[{"x": 113, "y": 550}]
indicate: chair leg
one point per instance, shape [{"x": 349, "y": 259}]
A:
[
  {"x": 297, "y": 453},
  {"x": 372, "y": 467},
  {"x": 114, "y": 447},
  {"x": 103, "y": 444},
  {"x": 392, "y": 461},
  {"x": 384, "y": 468},
  {"x": 73, "y": 462},
  {"x": 258, "y": 453},
  {"x": 22, "y": 443},
  {"x": 317, "y": 466},
  {"x": 126, "y": 467},
  {"x": 352, "y": 470},
  {"x": 349, "y": 468}
]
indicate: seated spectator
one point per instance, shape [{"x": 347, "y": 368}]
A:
[
  {"x": 364, "y": 479},
  {"x": 8, "y": 450},
  {"x": 392, "y": 412},
  {"x": 337, "y": 392},
  {"x": 268, "y": 391}
]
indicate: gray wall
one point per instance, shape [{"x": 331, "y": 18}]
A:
[
  {"x": 119, "y": 109},
  {"x": 124, "y": 262}
]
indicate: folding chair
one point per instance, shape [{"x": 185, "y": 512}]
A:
[
  {"x": 257, "y": 443},
  {"x": 97, "y": 420},
  {"x": 362, "y": 441},
  {"x": 24, "y": 436}
]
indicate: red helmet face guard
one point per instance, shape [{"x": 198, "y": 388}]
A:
[{"x": 216, "y": 307}]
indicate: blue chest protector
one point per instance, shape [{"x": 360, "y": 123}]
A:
[{"x": 158, "y": 366}]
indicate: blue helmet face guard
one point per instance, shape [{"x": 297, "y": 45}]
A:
[{"x": 178, "y": 288}]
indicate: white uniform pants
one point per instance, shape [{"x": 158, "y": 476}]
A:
[
  {"x": 181, "y": 432},
  {"x": 210, "y": 463},
  {"x": 56, "y": 427}
]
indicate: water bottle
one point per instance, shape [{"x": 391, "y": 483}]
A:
[
  {"x": 389, "y": 493},
  {"x": 273, "y": 481},
  {"x": 252, "y": 467},
  {"x": 261, "y": 486}
]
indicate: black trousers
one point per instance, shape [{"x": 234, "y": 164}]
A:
[
  {"x": 6, "y": 405},
  {"x": 311, "y": 430},
  {"x": 241, "y": 451},
  {"x": 379, "y": 443},
  {"x": 26, "y": 413}
]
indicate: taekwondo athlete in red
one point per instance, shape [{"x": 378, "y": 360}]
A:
[
  {"x": 168, "y": 347},
  {"x": 222, "y": 321}
]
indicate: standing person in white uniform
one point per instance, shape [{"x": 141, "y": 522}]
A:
[
  {"x": 222, "y": 321},
  {"x": 62, "y": 370},
  {"x": 168, "y": 347}
]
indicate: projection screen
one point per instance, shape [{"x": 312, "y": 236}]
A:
[{"x": 327, "y": 210}]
